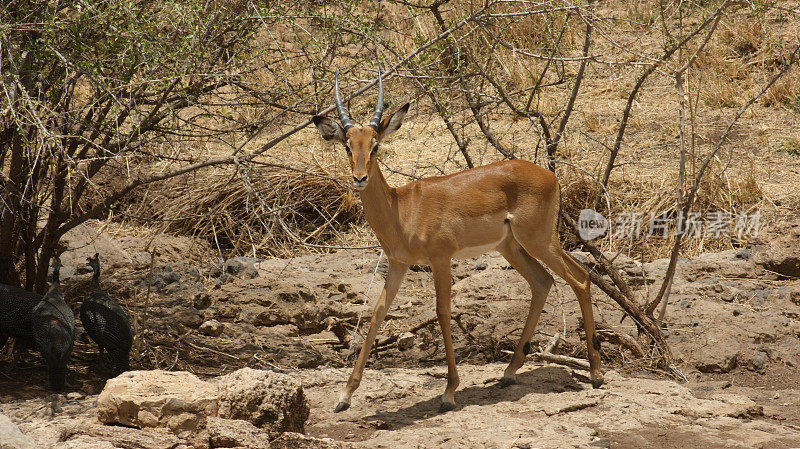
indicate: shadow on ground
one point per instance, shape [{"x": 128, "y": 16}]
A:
[{"x": 542, "y": 380}]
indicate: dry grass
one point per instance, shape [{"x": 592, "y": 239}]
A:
[
  {"x": 266, "y": 212},
  {"x": 785, "y": 92},
  {"x": 642, "y": 12},
  {"x": 223, "y": 210},
  {"x": 743, "y": 36}
]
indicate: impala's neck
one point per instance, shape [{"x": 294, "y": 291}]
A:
[{"x": 380, "y": 207}]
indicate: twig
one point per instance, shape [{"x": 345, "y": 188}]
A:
[
  {"x": 619, "y": 338},
  {"x": 553, "y": 343},
  {"x": 413, "y": 330},
  {"x": 561, "y": 360}
]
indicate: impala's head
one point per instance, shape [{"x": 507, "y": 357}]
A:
[{"x": 360, "y": 142}]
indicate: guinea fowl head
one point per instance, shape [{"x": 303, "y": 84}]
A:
[{"x": 94, "y": 262}]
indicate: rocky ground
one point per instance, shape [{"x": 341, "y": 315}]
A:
[{"x": 732, "y": 323}]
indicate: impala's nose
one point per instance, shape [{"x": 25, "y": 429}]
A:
[{"x": 359, "y": 183}]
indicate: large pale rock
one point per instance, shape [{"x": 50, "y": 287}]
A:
[
  {"x": 236, "y": 433},
  {"x": 782, "y": 253},
  {"x": 92, "y": 435},
  {"x": 716, "y": 357},
  {"x": 178, "y": 401},
  {"x": 11, "y": 437},
  {"x": 785, "y": 261},
  {"x": 84, "y": 442},
  {"x": 272, "y": 401},
  {"x": 292, "y": 440}
]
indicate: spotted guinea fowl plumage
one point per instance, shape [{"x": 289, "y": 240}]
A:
[
  {"x": 53, "y": 327},
  {"x": 16, "y": 309},
  {"x": 105, "y": 321}
]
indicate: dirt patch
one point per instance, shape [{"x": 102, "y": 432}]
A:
[{"x": 549, "y": 408}]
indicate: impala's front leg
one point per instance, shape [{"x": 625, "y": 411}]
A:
[
  {"x": 396, "y": 272},
  {"x": 442, "y": 280}
]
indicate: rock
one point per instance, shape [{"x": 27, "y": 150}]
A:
[
  {"x": 722, "y": 404},
  {"x": 93, "y": 435},
  {"x": 293, "y": 294},
  {"x": 11, "y": 437},
  {"x": 600, "y": 442},
  {"x": 480, "y": 266},
  {"x": 201, "y": 301},
  {"x": 269, "y": 318},
  {"x": 164, "y": 276},
  {"x": 176, "y": 400},
  {"x": 189, "y": 318},
  {"x": 82, "y": 242},
  {"x": 724, "y": 263},
  {"x": 225, "y": 278},
  {"x": 405, "y": 341},
  {"x": 716, "y": 361},
  {"x": 272, "y": 401},
  {"x": 794, "y": 295},
  {"x": 193, "y": 274},
  {"x": 782, "y": 263},
  {"x": 211, "y": 328},
  {"x": 84, "y": 442},
  {"x": 242, "y": 267},
  {"x": 215, "y": 270},
  {"x": 743, "y": 253},
  {"x": 781, "y": 255},
  {"x": 250, "y": 273},
  {"x": 228, "y": 311},
  {"x": 161, "y": 277},
  {"x": 233, "y": 266},
  {"x": 292, "y": 440},
  {"x": 758, "y": 360},
  {"x": 235, "y": 432}
]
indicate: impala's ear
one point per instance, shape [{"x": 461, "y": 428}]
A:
[
  {"x": 392, "y": 123},
  {"x": 328, "y": 128}
]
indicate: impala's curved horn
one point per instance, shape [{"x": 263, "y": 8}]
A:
[
  {"x": 376, "y": 118},
  {"x": 343, "y": 118}
]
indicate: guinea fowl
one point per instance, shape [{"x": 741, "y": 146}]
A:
[
  {"x": 106, "y": 322},
  {"x": 16, "y": 309},
  {"x": 53, "y": 326}
]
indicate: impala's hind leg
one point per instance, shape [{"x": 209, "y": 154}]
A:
[
  {"x": 540, "y": 282},
  {"x": 552, "y": 254},
  {"x": 577, "y": 278}
]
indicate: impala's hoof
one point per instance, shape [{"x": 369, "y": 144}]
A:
[
  {"x": 507, "y": 382},
  {"x": 340, "y": 407},
  {"x": 597, "y": 382},
  {"x": 446, "y": 407}
]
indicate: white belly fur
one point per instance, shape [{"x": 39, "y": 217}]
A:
[{"x": 475, "y": 251}]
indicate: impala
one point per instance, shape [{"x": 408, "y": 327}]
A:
[{"x": 509, "y": 206}]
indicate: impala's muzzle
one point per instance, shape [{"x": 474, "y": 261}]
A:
[{"x": 360, "y": 183}]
